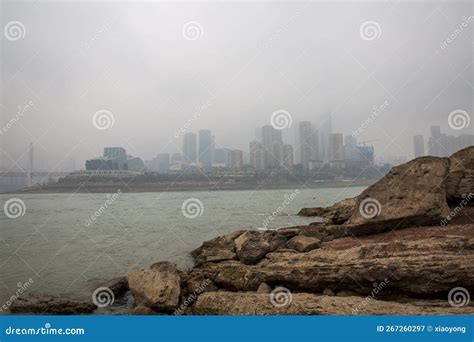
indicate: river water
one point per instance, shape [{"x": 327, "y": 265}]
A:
[{"x": 63, "y": 241}]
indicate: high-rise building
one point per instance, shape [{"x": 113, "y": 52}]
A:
[
  {"x": 190, "y": 147},
  {"x": 418, "y": 146},
  {"x": 351, "y": 152},
  {"x": 336, "y": 150},
  {"x": 221, "y": 156},
  {"x": 272, "y": 145},
  {"x": 115, "y": 152},
  {"x": 309, "y": 145},
  {"x": 288, "y": 156},
  {"x": 236, "y": 158},
  {"x": 434, "y": 143},
  {"x": 256, "y": 155},
  {"x": 325, "y": 130},
  {"x": 205, "y": 149}
]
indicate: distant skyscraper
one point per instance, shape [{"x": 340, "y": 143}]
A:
[
  {"x": 434, "y": 147},
  {"x": 221, "y": 156},
  {"x": 190, "y": 148},
  {"x": 205, "y": 149},
  {"x": 163, "y": 162},
  {"x": 336, "y": 150},
  {"x": 309, "y": 147},
  {"x": 418, "y": 146},
  {"x": 288, "y": 156},
  {"x": 325, "y": 130},
  {"x": 272, "y": 145},
  {"x": 256, "y": 155},
  {"x": 351, "y": 153}
]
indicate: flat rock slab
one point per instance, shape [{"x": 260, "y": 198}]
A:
[{"x": 45, "y": 304}]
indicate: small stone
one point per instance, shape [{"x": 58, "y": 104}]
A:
[
  {"x": 142, "y": 310},
  {"x": 264, "y": 288}
]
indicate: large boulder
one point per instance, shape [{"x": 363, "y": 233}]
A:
[
  {"x": 218, "y": 249},
  {"x": 252, "y": 246},
  {"x": 460, "y": 180},
  {"x": 157, "y": 286},
  {"x": 412, "y": 194},
  {"x": 45, "y": 304},
  {"x": 302, "y": 243},
  {"x": 338, "y": 213},
  {"x": 252, "y": 303}
]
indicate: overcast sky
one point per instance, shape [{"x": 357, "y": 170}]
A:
[{"x": 154, "y": 65}]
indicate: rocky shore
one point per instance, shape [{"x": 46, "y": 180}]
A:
[{"x": 404, "y": 246}]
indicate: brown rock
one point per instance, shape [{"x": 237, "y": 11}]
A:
[
  {"x": 251, "y": 303},
  {"x": 45, "y": 304},
  {"x": 304, "y": 243},
  {"x": 338, "y": 213},
  {"x": 460, "y": 180},
  {"x": 218, "y": 249},
  {"x": 252, "y": 246},
  {"x": 157, "y": 286},
  {"x": 142, "y": 310},
  {"x": 264, "y": 288}
]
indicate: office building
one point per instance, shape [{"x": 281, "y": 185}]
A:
[{"x": 190, "y": 148}]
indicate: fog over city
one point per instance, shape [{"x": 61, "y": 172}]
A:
[{"x": 162, "y": 69}]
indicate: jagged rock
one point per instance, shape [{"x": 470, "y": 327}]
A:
[
  {"x": 416, "y": 267},
  {"x": 45, "y": 304},
  {"x": 218, "y": 249},
  {"x": 412, "y": 194},
  {"x": 338, "y": 213},
  {"x": 304, "y": 243},
  {"x": 460, "y": 180},
  {"x": 264, "y": 288},
  {"x": 251, "y": 303},
  {"x": 252, "y": 246},
  {"x": 157, "y": 286},
  {"x": 289, "y": 232}
]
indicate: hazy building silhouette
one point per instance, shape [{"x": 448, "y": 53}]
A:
[
  {"x": 418, "y": 146},
  {"x": 256, "y": 155},
  {"x": 190, "y": 147},
  {"x": 288, "y": 156},
  {"x": 336, "y": 150},
  {"x": 205, "y": 149},
  {"x": 236, "y": 158},
  {"x": 272, "y": 145},
  {"x": 309, "y": 146}
]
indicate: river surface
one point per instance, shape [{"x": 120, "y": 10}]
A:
[{"x": 63, "y": 241}]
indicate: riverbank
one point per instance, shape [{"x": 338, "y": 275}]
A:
[{"x": 186, "y": 186}]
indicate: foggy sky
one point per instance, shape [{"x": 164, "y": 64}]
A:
[{"x": 250, "y": 60}]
